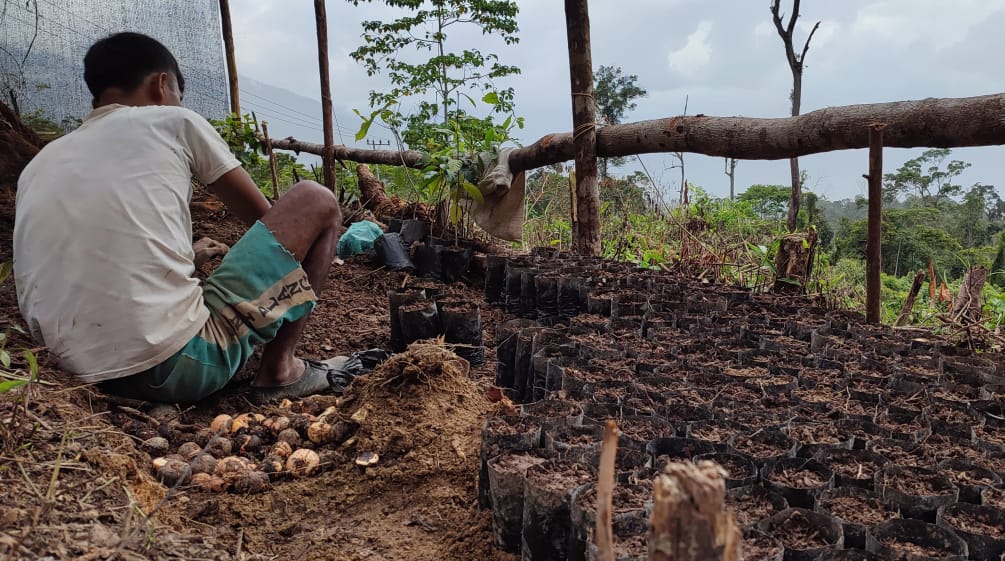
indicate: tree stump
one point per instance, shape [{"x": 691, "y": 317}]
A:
[
  {"x": 794, "y": 262},
  {"x": 967, "y": 305},
  {"x": 905, "y": 312},
  {"x": 690, "y": 521}
]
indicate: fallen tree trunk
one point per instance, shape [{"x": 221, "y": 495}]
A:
[
  {"x": 374, "y": 198},
  {"x": 929, "y": 123},
  {"x": 407, "y": 158}
]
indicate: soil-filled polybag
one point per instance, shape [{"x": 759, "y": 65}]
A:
[
  {"x": 462, "y": 327},
  {"x": 495, "y": 278},
  {"x": 547, "y": 523},
  {"x": 413, "y": 231},
  {"x": 753, "y": 504},
  {"x": 804, "y": 533},
  {"x": 546, "y": 297},
  {"x": 500, "y": 435},
  {"x": 899, "y": 540},
  {"x": 428, "y": 261},
  {"x": 455, "y": 262},
  {"x": 507, "y": 474},
  {"x": 856, "y": 509},
  {"x": 982, "y": 527},
  {"x": 392, "y": 253},
  {"x": 799, "y": 480},
  {"x": 759, "y": 546},
  {"x": 419, "y": 321},
  {"x": 396, "y": 299},
  {"x": 506, "y": 345},
  {"x": 917, "y": 492},
  {"x": 740, "y": 469}
]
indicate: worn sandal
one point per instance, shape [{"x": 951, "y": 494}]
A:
[{"x": 314, "y": 380}]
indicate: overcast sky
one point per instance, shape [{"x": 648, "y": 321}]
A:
[{"x": 723, "y": 56}]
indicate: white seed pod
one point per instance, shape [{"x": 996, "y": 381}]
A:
[
  {"x": 272, "y": 464},
  {"x": 204, "y": 463},
  {"x": 281, "y": 449},
  {"x": 320, "y": 433},
  {"x": 171, "y": 469},
  {"x": 302, "y": 462},
  {"x": 251, "y": 482},
  {"x": 221, "y": 423},
  {"x": 229, "y": 466},
  {"x": 291, "y": 437},
  {"x": 240, "y": 423},
  {"x": 189, "y": 450},
  {"x": 208, "y": 483},
  {"x": 279, "y": 424},
  {"x": 220, "y": 446},
  {"x": 157, "y": 445}
]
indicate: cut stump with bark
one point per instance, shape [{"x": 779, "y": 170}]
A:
[
  {"x": 689, "y": 520},
  {"x": 967, "y": 306},
  {"x": 794, "y": 262}
]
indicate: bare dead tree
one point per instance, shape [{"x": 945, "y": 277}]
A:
[
  {"x": 730, "y": 171},
  {"x": 786, "y": 31}
]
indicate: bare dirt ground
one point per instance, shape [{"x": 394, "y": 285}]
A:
[{"x": 75, "y": 485}]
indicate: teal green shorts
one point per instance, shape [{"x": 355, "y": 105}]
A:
[{"x": 258, "y": 287}]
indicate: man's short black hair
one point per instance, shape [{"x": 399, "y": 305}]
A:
[{"x": 124, "y": 60}]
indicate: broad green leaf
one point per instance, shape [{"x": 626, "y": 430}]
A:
[
  {"x": 472, "y": 190},
  {"x": 492, "y": 98},
  {"x": 5, "y": 358},
  {"x": 10, "y": 385}
]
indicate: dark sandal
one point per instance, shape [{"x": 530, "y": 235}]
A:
[{"x": 315, "y": 380}]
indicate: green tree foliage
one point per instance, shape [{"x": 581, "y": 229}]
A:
[
  {"x": 925, "y": 179},
  {"x": 615, "y": 94},
  {"x": 441, "y": 77},
  {"x": 770, "y": 202}
]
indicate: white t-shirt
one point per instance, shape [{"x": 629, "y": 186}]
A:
[{"x": 103, "y": 258}]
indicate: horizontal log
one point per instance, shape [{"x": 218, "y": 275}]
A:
[
  {"x": 927, "y": 123},
  {"x": 407, "y": 158}
]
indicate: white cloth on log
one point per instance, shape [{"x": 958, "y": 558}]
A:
[{"x": 501, "y": 213}]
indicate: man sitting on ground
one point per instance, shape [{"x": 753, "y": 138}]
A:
[{"x": 103, "y": 256}]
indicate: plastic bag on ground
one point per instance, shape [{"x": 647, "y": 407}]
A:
[{"x": 358, "y": 239}]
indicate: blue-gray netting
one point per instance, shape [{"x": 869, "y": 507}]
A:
[{"x": 51, "y": 76}]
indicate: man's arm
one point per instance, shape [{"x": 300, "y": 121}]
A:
[{"x": 242, "y": 197}]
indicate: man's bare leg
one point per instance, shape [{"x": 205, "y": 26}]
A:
[{"x": 307, "y": 221}]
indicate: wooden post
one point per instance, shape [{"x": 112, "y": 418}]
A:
[
  {"x": 272, "y": 161},
  {"x": 228, "y": 47},
  {"x": 586, "y": 237},
  {"x": 689, "y": 520},
  {"x": 905, "y": 311},
  {"x": 874, "y": 241},
  {"x": 605, "y": 492},
  {"x": 327, "y": 159}
]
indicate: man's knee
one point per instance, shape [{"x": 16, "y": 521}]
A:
[{"x": 320, "y": 199}]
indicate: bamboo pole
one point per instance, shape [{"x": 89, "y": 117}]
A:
[
  {"x": 328, "y": 155},
  {"x": 586, "y": 238},
  {"x": 873, "y": 246},
  {"x": 605, "y": 492},
  {"x": 228, "y": 47},
  {"x": 272, "y": 161}
]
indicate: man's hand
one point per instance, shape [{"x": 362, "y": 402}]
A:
[{"x": 206, "y": 249}]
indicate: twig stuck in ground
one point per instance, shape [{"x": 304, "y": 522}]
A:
[{"x": 605, "y": 491}]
